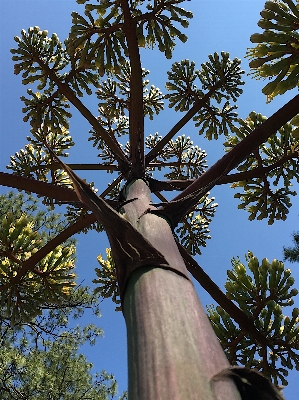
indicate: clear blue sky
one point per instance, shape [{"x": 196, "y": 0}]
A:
[{"x": 217, "y": 25}]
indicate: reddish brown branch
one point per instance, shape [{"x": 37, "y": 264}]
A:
[
  {"x": 174, "y": 184},
  {"x": 85, "y": 167},
  {"x": 233, "y": 158},
  {"x": 136, "y": 117},
  {"x": 210, "y": 286},
  {"x": 182, "y": 122},
  {"x": 42, "y": 188},
  {"x": 59, "y": 193},
  {"x": 256, "y": 172},
  {"x": 71, "y": 96}
]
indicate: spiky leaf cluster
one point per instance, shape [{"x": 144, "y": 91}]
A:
[
  {"x": 193, "y": 231},
  {"x": 276, "y": 163},
  {"x": 104, "y": 53},
  {"x": 181, "y": 84},
  {"x": 35, "y": 161},
  {"x": 25, "y": 287},
  {"x": 223, "y": 72},
  {"x": 186, "y": 161},
  {"x": 276, "y": 53},
  {"x": 214, "y": 121},
  {"x": 40, "y": 54},
  {"x": 261, "y": 290},
  {"x": 45, "y": 109},
  {"x": 46, "y": 60},
  {"x": 114, "y": 96},
  {"x": 159, "y": 28},
  {"x": 35, "y": 49},
  {"x": 219, "y": 80},
  {"x": 109, "y": 49},
  {"x": 180, "y": 156},
  {"x": 106, "y": 281}
]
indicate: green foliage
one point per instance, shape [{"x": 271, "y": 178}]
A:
[
  {"x": 56, "y": 369},
  {"x": 292, "y": 253},
  {"x": 276, "y": 53},
  {"x": 107, "y": 281},
  {"x": 96, "y": 58},
  {"x": 268, "y": 195},
  {"x": 181, "y": 84},
  {"x": 225, "y": 71},
  {"x": 220, "y": 78},
  {"x": 97, "y": 46},
  {"x": 36, "y": 51},
  {"x": 114, "y": 96},
  {"x": 47, "y": 60},
  {"x": 38, "y": 351},
  {"x": 190, "y": 160},
  {"x": 193, "y": 230},
  {"x": 182, "y": 159},
  {"x": 261, "y": 293},
  {"x": 25, "y": 288},
  {"x": 49, "y": 50},
  {"x": 47, "y": 222},
  {"x": 109, "y": 50},
  {"x": 36, "y": 162},
  {"x": 43, "y": 356},
  {"x": 218, "y": 81},
  {"x": 186, "y": 161},
  {"x": 159, "y": 28}
]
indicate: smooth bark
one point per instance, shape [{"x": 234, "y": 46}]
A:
[{"x": 173, "y": 351}]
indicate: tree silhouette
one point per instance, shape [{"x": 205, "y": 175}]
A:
[{"x": 170, "y": 340}]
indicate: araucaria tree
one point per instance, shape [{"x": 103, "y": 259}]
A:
[{"x": 173, "y": 352}]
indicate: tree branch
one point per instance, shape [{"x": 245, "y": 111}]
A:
[
  {"x": 59, "y": 193},
  {"x": 50, "y": 190},
  {"x": 71, "y": 96},
  {"x": 256, "y": 172},
  {"x": 158, "y": 8},
  {"x": 157, "y": 185},
  {"x": 30, "y": 264},
  {"x": 206, "y": 282},
  {"x": 199, "y": 103},
  {"x": 85, "y": 167},
  {"x": 236, "y": 155},
  {"x": 136, "y": 117}
]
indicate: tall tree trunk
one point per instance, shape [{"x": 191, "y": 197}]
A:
[{"x": 173, "y": 352}]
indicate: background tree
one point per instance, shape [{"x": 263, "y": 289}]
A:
[
  {"x": 292, "y": 253},
  {"x": 39, "y": 355},
  {"x": 276, "y": 207}
]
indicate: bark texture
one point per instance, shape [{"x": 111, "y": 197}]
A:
[{"x": 173, "y": 352}]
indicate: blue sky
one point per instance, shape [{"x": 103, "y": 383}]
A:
[{"x": 217, "y": 25}]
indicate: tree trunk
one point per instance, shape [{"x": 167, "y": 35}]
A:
[{"x": 173, "y": 351}]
